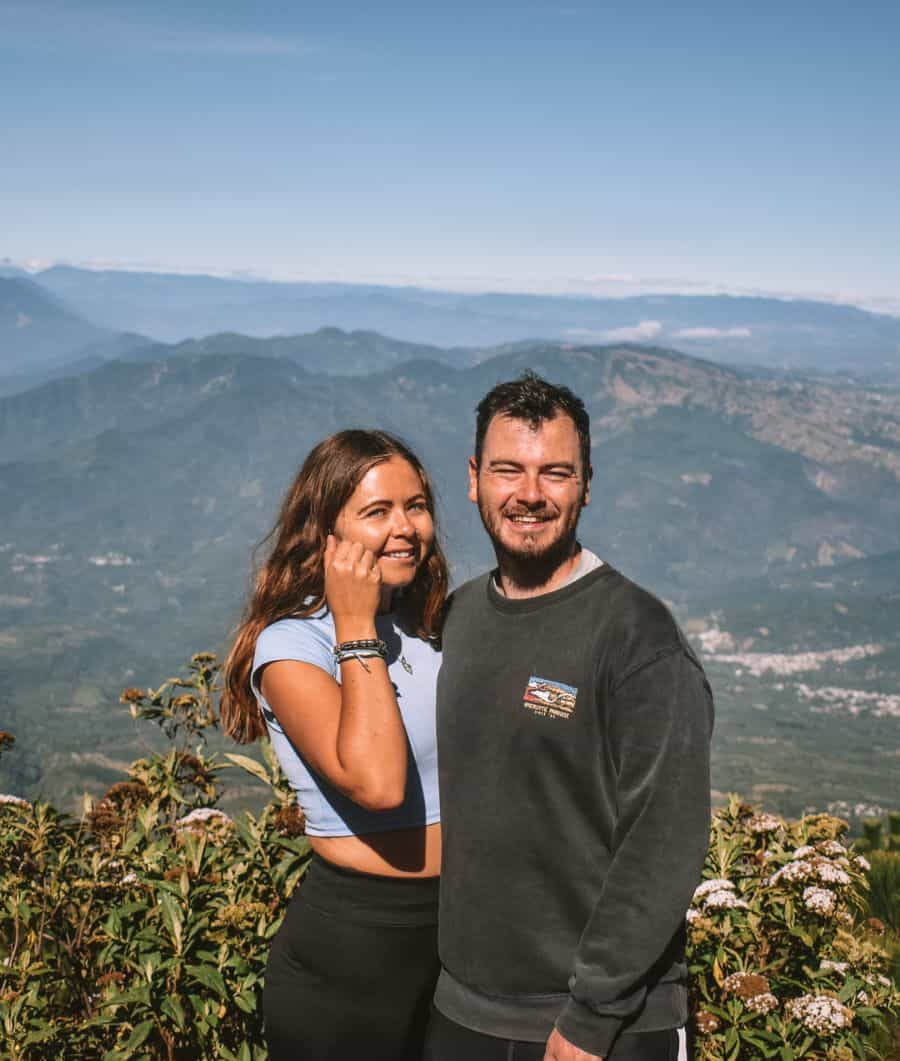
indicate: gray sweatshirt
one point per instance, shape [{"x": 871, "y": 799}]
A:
[{"x": 573, "y": 750}]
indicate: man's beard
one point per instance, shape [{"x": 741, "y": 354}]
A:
[{"x": 532, "y": 564}]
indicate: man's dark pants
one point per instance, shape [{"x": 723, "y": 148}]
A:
[{"x": 448, "y": 1041}]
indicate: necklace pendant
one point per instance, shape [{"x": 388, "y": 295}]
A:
[{"x": 406, "y": 665}]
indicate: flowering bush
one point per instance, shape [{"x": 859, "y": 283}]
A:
[
  {"x": 782, "y": 962},
  {"x": 142, "y": 930}
]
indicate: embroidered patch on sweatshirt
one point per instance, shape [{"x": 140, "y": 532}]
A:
[{"x": 549, "y": 699}]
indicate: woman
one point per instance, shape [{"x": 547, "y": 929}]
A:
[{"x": 337, "y": 658}]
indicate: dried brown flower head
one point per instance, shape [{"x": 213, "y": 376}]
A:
[
  {"x": 127, "y": 795},
  {"x": 131, "y": 695},
  {"x": 111, "y": 978},
  {"x": 290, "y": 821},
  {"x": 706, "y": 1022},
  {"x": 191, "y": 769},
  {"x": 7, "y": 740},
  {"x": 104, "y": 820},
  {"x": 745, "y": 985}
]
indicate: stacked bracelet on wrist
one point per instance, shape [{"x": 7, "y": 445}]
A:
[{"x": 366, "y": 648}]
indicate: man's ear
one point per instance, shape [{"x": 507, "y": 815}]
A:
[
  {"x": 473, "y": 480},
  {"x": 587, "y": 486}
]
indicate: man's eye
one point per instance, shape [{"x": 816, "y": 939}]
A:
[{"x": 558, "y": 476}]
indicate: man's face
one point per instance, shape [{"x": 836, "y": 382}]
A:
[{"x": 530, "y": 486}]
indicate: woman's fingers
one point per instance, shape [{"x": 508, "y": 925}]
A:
[
  {"x": 352, "y": 580},
  {"x": 331, "y": 545}
]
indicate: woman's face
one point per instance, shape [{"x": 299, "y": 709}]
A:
[{"x": 388, "y": 514}]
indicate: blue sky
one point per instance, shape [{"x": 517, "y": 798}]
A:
[{"x": 601, "y": 147}]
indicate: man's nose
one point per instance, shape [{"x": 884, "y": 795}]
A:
[{"x": 529, "y": 491}]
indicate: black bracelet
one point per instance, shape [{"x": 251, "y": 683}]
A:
[{"x": 374, "y": 644}]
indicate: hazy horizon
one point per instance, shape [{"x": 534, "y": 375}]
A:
[{"x": 33, "y": 267}]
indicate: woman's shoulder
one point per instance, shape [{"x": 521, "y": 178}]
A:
[{"x": 292, "y": 634}]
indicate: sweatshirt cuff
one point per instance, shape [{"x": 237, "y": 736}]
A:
[{"x": 588, "y": 1030}]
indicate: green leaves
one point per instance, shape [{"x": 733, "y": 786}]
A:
[{"x": 775, "y": 926}]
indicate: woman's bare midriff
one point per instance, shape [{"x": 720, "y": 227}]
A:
[{"x": 401, "y": 853}]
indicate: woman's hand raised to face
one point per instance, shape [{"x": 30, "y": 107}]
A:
[{"x": 352, "y": 587}]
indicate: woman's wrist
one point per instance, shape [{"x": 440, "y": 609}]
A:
[{"x": 351, "y": 629}]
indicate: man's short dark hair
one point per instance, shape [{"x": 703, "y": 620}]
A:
[{"x": 533, "y": 399}]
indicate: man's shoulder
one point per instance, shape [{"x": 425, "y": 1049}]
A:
[
  {"x": 642, "y": 624},
  {"x": 468, "y": 594}
]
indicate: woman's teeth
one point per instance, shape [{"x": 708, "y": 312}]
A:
[{"x": 400, "y": 554}]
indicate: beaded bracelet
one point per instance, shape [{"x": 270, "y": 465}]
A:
[
  {"x": 359, "y": 654},
  {"x": 374, "y": 643}
]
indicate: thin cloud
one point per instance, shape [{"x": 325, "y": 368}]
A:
[
  {"x": 712, "y": 333},
  {"x": 638, "y": 333},
  {"x": 56, "y": 27}
]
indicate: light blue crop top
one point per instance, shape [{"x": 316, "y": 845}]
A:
[{"x": 413, "y": 666}]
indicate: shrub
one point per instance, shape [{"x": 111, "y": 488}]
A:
[
  {"x": 142, "y": 930},
  {"x": 781, "y": 960}
]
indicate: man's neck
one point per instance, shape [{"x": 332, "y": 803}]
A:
[{"x": 518, "y": 579}]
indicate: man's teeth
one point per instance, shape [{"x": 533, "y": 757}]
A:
[{"x": 528, "y": 519}]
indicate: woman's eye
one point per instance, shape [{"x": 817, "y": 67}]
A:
[
  {"x": 376, "y": 512},
  {"x": 418, "y": 506}
]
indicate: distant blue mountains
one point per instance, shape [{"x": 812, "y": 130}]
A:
[{"x": 54, "y": 315}]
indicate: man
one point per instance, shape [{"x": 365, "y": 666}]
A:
[{"x": 573, "y": 740}]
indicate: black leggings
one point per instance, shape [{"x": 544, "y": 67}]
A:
[
  {"x": 449, "y": 1041},
  {"x": 352, "y": 968}
]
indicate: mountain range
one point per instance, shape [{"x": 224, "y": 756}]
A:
[
  {"x": 82, "y": 306},
  {"x": 134, "y": 493}
]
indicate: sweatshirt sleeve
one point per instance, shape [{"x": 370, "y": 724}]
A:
[{"x": 659, "y": 728}]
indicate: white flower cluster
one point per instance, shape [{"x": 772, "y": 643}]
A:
[
  {"x": 14, "y": 801},
  {"x": 863, "y": 863},
  {"x": 831, "y": 874},
  {"x": 831, "y": 849},
  {"x": 203, "y": 816},
  {"x": 692, "y": 915},
  {"x": 793, "y": 871},
  {"x": 763, "y": 823},
  {"x": 803, "y": 852},
  {"x": 717, "y": 885},
  {"x": 830, "y": 966},
  {"x": 815, "y": 868},
  {"x": 724, "y": 900},
  {"x": 819, "y": 900},
  {"x": 763, "y": 1003},
  {"x": 718, "y": 895},
  {"x": 819, "y": 1013}
]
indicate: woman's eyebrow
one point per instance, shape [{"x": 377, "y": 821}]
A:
[{"x": 388, "y": 501}]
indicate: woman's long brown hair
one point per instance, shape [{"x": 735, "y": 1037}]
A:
[{"x": 291, "y": 581}]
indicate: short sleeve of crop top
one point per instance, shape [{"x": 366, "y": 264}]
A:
[
  {"x": 298, "y": 639},
  {"x": 412, "y": 667}
]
